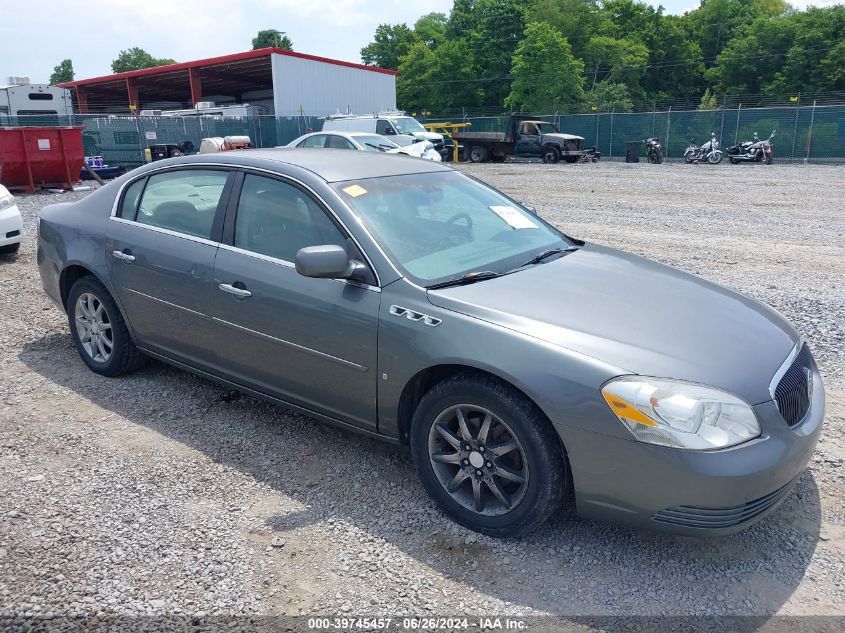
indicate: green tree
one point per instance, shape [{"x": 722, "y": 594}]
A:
[
  {"x": 390, "y": 44},
  {"x": 546, "y": 76},
  {"x": 135, "y": 58},
  {"x": 431, "y": 29},
  {"x": 414, "y": 87},
  {"x": 496, "y": 28},
  {"x": 272, "y": 38},
  {"x": 608, "y": 96},
  {"x": 456, "y": 78},
  {"x": 577, "y": 20},
  {"x": 618, "y": 60},
  {"x": 62, "y": 72}
]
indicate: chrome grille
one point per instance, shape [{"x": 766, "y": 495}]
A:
[{"x": 793, "y": 392}]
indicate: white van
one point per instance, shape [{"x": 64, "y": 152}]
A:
[{"x": 397, "y": 126}]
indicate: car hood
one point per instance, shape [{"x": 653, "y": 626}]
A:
[
  {"x": 418, "y": 150},
  {"x": 638, "y": 315},
  {"x": 565, "y": 137},
  {"x": 434, "y": 137}
]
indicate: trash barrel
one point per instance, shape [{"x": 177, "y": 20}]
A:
[
  {"x": 632, "y": 151},
  {"x": 35, "y": 156}
]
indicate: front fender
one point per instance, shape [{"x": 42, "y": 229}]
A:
[{"x": 564, "y": 384}]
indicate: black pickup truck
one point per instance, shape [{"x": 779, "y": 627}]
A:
[{"x": 525, "y": 136}]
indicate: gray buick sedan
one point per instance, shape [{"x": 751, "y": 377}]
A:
[{"x": 406, "y": 300}]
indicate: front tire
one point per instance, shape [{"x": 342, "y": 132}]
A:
[
  {"x": 714, "y": 158},
  {"x": 769, "y": 159},
  {"x": 99, "y": 331},
  {"x": 658, "y": 156},
  {"x": 488, "y": 456},
  {"x": 10, "y": 249},
  {"x": 551, "y": 154}
]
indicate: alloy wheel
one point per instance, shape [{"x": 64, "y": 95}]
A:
[
  {"x": 93, "y": 327},
  {"x": 478, "y": 460}
]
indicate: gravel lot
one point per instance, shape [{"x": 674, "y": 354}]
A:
[{"x": 161, "y": 492}]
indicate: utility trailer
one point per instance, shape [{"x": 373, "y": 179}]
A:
[{"x": 525, "y": 136}]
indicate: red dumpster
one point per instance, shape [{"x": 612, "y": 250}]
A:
[{"x": 35, "y": 156}]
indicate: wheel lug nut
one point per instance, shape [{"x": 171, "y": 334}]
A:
[
  {"x": 465, "y": 462},
  {"x": 480, "y": 449},
  {"x": 489, "y": 465},
  {"x": 478, "y": 472}
]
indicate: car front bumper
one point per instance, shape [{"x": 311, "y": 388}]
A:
[
  {"x": 701, "y": 493},
  {"x": 11, "y": 226}
]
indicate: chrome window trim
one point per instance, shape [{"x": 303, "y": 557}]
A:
[
  {"x": 159, "y": 229},
  {"x": 289, "y": 264},
  {"x": 301, "y": 348},
  {"x": 247, "y": 168},
  {"x": 169, "y": 304},
  {"x": 785, "y": 367},
  {"x": 156, "y": 170}
]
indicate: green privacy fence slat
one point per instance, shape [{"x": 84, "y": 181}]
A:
[
  {"x": 811, "y": 133},
  {"x": 803, "y": 133}
]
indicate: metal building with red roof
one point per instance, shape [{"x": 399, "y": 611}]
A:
[{"x": 281, "y": 82}]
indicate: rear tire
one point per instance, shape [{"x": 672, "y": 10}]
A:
[
  {"x": 734, "y": 161},
  {"x": 477, "y": 154},
  {"x": 551, "y": 154},
  {"x": 99, "y": 331},
  {"x": 519, "y": 443}
]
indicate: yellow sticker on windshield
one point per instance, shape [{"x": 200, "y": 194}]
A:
[
  {"x": 355, "y": 190},
  {"x": 513, "y": 217}
]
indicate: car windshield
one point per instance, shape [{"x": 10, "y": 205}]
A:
[
  {"x": 407, "y": 125},
  {"x": 375, "y": 143},
  {"x": 438, "y": 226}
]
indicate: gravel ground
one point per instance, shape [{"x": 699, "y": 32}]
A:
[{"x": 164, "y": 493}]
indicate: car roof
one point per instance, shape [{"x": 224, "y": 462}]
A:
[{"x": 332, "y": 165}]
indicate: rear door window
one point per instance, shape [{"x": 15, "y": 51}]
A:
[
  {"x": 182, "y": 200},
  {"x": 318, "y": 140},
  {"x": 338, "y": 142}
]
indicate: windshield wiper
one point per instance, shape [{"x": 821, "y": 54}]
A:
[
  {"x": 378, "y": 147},
  {"x": 467, "y": 278},
  {"x": 546, "y": 254}
]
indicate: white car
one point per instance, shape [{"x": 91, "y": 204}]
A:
[
  {"x": 367, "y": 142},
  {"x": 11, "y": 224}
]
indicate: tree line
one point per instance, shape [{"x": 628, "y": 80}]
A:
[{"x": 544, "y": 56}]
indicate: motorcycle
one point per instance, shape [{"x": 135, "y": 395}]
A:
[
  {"x": 753, "y": 151},
  {"x": 653, "y": 150},
  {"x": 709, "y": 151}
]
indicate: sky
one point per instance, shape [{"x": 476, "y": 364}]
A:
[{"x": 37, "y": 34}]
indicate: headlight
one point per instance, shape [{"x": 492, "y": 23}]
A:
[
  {"x": 6, "y": 202},
  {"x": 680, "y": 414}
]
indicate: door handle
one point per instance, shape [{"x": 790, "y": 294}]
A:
[
  {"x": 242, "y": 293},
  {"x": 124, "y": 257}
]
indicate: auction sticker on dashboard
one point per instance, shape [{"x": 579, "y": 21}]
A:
[
  {"x": 513, "y": 217},
  {"x": 355, "y": 190}
]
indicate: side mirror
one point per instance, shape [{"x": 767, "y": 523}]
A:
[
  {"x": 389, "y": 132},
  {"x": 328, "y": 261},
  {"x": 529, "y": 208}
]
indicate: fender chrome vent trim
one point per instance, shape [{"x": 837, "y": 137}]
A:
[{"x": 417, "y": 317}]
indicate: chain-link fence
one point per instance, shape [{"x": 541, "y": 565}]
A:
[
  {"x": 805, "y": 133},
  {"x": 814, "y": 133},
  {"x": 121, "y": 140}
]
